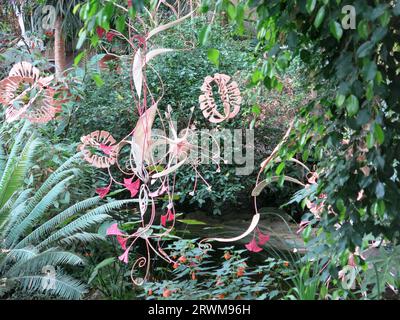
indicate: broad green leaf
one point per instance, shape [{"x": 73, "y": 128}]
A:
[
  {"x": 336, "y": 29},
  {"x": 319, "y": 17},
  {"x": 363, "y": 29},
  {"x": 213, "y": 56},
  {"x": 256, "y": 109},
  {"x": 340, "y": 98},
  {"x": 370, "y": 141},
  {"x": 379, "y": 134},
  {"x": 310, "y": 5},
  {"x": 352, "y": 105}
]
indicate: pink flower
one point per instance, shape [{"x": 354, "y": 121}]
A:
[
  {"x": 102, "y": 192},
  {"x": 106, "y": 149},
  {"x": 122, "y": 241},
  {"x": 133, "y": 187},
  {"x": 114, "y": 231},
  {"x": 124, "y": 257},
  {"x": 170, "y": 215},
  {"x": 252, "y": 246},
  {"x": 262, "y": 238},
  {"x": 164, "y": 220}
]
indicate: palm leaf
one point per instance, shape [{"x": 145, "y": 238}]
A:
[
  {"x": 47, "y": 227},
  {"x": 94, "y": 216}
]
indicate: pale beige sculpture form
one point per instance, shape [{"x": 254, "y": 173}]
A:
[
  {"x": 27, "y": 95},
  {"x": 230, "y": 97},
  {"x": 99, "y": 148}
]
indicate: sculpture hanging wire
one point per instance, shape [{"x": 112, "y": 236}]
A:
[{"x": 27, "y": 95}]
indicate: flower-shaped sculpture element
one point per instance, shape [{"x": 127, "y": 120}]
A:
[
  {"x": 99, "y": 148},
  {"x": 27, "y": 95},
  {"x": 229, "y": 94}
]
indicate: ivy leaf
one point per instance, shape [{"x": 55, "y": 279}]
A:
[
  {"x": 319, "y": 17},
  {"x": 379, "y": 134},
  {"x": 380, "y": 190},
  {"x": 336, "y": 29},
  {"x": 363, "y": 29},
  {"x": 352, "y": 105},
  {"x": 365, "y": 49},
  {"x": 310, "y": 5},
  {"x": 213, "y": 56}
]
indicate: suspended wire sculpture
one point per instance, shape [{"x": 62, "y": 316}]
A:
[
  {"x": 27, "y": 95},
  {"x": 229, "y": 95},
  {"x": 145, "y": 176}
]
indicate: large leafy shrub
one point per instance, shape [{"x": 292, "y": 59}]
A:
[{"x": 351, "y": 127}]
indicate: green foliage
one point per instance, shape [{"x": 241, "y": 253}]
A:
[
  {"x": 183, "y": 73},
  {"x": 354, "y": 72},
  {"x": 202, "y": 276},
  {"x": 32, "y": 236}
]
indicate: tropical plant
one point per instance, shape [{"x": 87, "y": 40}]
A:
[
  {"x": 199, "y": 275},
  {"x": 14, "y": 164},
  {"x": 351, "y": 125},
  {"x": 34, "y": 238}
]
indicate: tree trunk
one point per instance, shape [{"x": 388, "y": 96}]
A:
[{"x": 59, "y": 48}]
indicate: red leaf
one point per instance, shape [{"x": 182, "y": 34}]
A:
[
  {"x": 164, "y": 220},
  {"x": 106, "y": 149},
  {"x": 100, "y": 32},
  {"x": 110, "y": 35},
  {"x": 252, "y": 246},
  {"x": 114, "y": 231},
  {"x": 102, "y": 192},
  {"x": 133, "y": 187},
  {"x": 122, "y": 241},
  {"x": 262, "y": 238},
  {"x": 171, "y": 215},
  {"x": 124, "y": 257}
]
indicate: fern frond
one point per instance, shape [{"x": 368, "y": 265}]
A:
[
  {"x": 16, "y": 255},
  {"x": 11, "y": 210},
  {"x": 12, "y": 222},
  {"x": 46, "y": 228},
  {"x": 54, "y": 178},
  {"x": 46, "y": 258},
  {"x": 23, "y": 164},
  {"x": 94, "y": 216},
  {"x": 65, "y": 286},
  {"x": 12, "y": 161},
  {"x": 38, "y": 211},
  {"x": 82, "y": 237}
]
